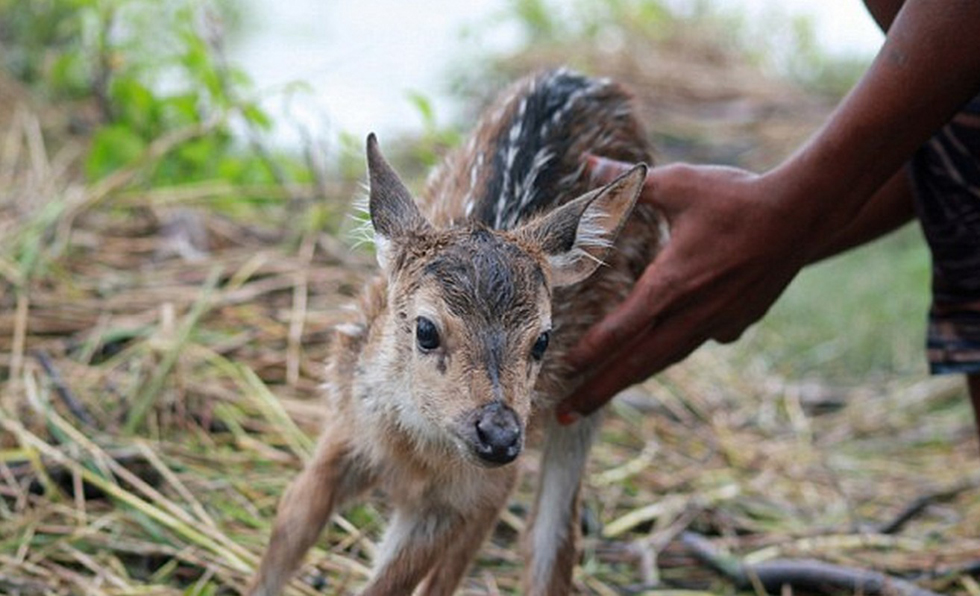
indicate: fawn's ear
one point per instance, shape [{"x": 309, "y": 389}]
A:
[
  {"x": 576, "y": 236},
  {"x": 394, "y": 214}
]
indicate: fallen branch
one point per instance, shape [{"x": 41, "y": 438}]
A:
[
  {"x": 799, "y": 574},
  {"x": 919, "y": 505}
]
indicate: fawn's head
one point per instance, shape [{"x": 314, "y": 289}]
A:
[{"x": 469, "y": 308}]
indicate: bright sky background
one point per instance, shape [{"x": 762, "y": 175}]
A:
[{"x": 363, "y": 57}]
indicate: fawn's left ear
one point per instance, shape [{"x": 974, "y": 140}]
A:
[
  {"x": 394, "y": 215},
  {"x": 576, "y": 236}
]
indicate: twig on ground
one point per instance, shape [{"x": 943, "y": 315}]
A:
[
  {"x": 66, "y": 395},
  {"x": 920, "y": 503},
  {"x": 297, "y": 315},
  {"x": 803, "y": 574},
  {"x": 18, "y": 342}
]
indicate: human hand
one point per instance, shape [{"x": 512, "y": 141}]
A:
[
  {"x": 733, "y": 249},
  {"x": 738, "y": 239}
]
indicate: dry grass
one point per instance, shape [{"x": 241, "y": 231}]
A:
[{"x": 158, "y": 393}]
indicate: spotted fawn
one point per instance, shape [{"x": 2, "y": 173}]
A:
[{"x": 485, "y": 282}]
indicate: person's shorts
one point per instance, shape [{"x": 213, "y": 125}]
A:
[{"x": 946, "y": 176}]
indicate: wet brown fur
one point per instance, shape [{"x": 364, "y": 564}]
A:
[{"x": 490, "y": 290}]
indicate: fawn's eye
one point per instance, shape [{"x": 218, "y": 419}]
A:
[
  {"x": 540, "y": 345},
  {"x": 426, "y": 334}
]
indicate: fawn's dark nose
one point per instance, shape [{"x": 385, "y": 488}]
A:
[{"x": 498, "y": 434}]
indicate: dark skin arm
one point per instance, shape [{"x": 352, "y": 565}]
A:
[
  {"x": 891, "y": 206},
  {"x": 738, "y": 238},
  {"x": 887, "y": 210}
]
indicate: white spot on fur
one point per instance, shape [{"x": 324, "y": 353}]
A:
[
  {"x": 509, "y": 152},
  {"x": 593, "y": 87},
  {"x": 527, "y": 188},
  {"x": 468, "y": 201}
]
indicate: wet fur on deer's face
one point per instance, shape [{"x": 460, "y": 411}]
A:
[
  {"x": 486, "y": 301},
  {"x": 469, "y": 309}
]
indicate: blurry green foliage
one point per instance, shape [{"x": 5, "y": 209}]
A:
[
  {"x": 548, "y": 21},
  {"x": 151, "y": 67},
  {"x": 787, "y": 43},
  {"x": 536, "y": 18},
  {"x": 811, "y": 65},
  {"x": 435, "y": 139},
  {"x": 34, "y": 37}
]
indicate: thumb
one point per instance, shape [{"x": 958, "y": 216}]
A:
[
  {"x": 603, "y": 170},
  {"x": 666, "y": 187}
]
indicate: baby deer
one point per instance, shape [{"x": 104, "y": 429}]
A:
[{"x": 484, "y": 284}]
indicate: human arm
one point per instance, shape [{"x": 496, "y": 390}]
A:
[
  {"x": 737, "y": 239},
  {"x": 887, "y": 210}
]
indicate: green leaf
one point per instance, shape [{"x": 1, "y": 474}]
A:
[
  {"x": 180, "y": 110},
  {"x": 69, "y": 75},
  {"x": 113, "y": 147},
  {"x": 135, "y": 105},
  {"x": 424, "y": 107},
  {"x": 257, "y": 116}
]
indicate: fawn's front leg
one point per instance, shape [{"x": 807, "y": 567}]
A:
[
  {"x": 328, "y": 480},
  {"x": 550, "y": 539},
  {"x": 437, "y": 541},
  {"x": 445, "y": 577}
]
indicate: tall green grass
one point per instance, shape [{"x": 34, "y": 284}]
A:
[{"x": 853, "y": 318}]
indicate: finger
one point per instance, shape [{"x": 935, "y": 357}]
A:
[
  {"x": 603, "y": 170},
  {"x": 666, "y": 345},
  {"x": 665, "y": 187},
  {"x": 608, "y": 335},
  {"x": 677, "y": 187},
  {"x": 628, "y": 320},
  {"x": 595, "y": 393}
]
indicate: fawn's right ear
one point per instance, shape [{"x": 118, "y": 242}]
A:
[
  {"x": 394, "y": 215},
  {"x": 576, "y": 236}
]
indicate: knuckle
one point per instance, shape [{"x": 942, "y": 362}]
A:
[{"x": 675, "y": 175}]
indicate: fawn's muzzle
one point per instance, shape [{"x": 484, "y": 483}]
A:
[{"x": 499, "y": 437}]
